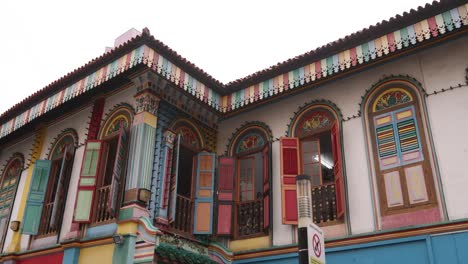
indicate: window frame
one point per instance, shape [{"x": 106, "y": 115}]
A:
[
  {"x": 237, "y": 201},
  {"x": 20, "y": 159},
  {"x": 425, "y": 163},
  {"x": 56, "y": 167},
  {"x": 120, "y": 114}
]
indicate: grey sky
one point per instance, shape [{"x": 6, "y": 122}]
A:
[{"x": 42, "y": 41}]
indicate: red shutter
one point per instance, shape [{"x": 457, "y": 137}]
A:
[
  {"x": 94, "y": 156},
  {"x": 113, "y": 201},
  {"x": 225, "y": 195},
  {"x": 289, "y": 170},
  {"x": 338, "y": 170},
  {"x": 266, "y": 187},
  {"x": 96, "y": 117}
]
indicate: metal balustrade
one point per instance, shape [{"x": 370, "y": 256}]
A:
[{"x": 324, "y": 203}]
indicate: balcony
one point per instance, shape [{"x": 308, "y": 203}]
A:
[
  {"x": 249, "y": 218},
  {"x": 183, "y": 220},
  {"x": 324, "y": 203}
]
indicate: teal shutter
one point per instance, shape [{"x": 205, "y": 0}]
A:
[
  {"x": 35, "y": 201},
  {"x": 173, "y": 183},
  {"x": 203, "y": 213},
  {"x": 113, "y": 202},
  {"x": 90, "y": 171}
]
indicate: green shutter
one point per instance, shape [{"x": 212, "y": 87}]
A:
[
  {"x": 33, "y": 211},
  {"x": 90, "y": 170}
]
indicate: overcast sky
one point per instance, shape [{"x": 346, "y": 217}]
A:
[{"x": 42, "y": 41}]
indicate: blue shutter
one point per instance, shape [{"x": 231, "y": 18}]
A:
[
  {"x": 203, "y": 213},
  {"x": 35, "y": 201}
]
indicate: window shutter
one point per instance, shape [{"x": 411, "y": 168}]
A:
[
  {"x": 338, "y": 171},
  {"x": 289, "y": 171},
  {"x": 266, "y": 187},
  {"x": 35, "y": 201},
  {"x": 203, "y": 212},
  {"x": 113, "y": 201},
  {"x": 90, "y": 171},
  {"x": 225, "y": 195},
  {"x": 58, "y": 194},
  {"x": 173, "y": 182}
]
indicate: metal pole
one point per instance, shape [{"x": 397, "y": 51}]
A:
[{"x": 304, "y": 206}]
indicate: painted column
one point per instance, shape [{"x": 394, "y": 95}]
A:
[
  {"x": 15, "y": 243},
  {"x": 168, "y": 147},
  {"x": 141, "y": 152}
]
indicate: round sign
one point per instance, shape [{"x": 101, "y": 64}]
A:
[{"x": 317, "y": 246}]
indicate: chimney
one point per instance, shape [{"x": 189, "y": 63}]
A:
[{"x": 129, "y": 34}]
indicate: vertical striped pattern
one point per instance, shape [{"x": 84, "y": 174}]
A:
[
  {"x": 371, "y": 50},
  {"x": 366, "y": 52},
  {"x": 140, "y": 163}
]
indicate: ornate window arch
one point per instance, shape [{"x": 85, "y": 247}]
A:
[
  {"x": 102, "y": 176},
  {"x": 398, "y": 143},
  {"x": 8, "y": 187},
  {"x": 244, "y": 183},
  {"x": 182, "y": 146},
  {"x": 61, "y": 159},
  {"x": 121, "y": 116},
  {"x": 313, "y": 147}
]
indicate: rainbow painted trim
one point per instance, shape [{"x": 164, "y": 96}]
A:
[{"x": 366, "y": 52}]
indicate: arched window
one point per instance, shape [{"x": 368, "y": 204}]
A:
[
  {"x": 8, "y": 185},
  {"x": 313, "y": 148},
  {"x": 61, "y": 157},
  {"x": 244, "y": 184},
  {"x": 181, "y": 192},
  {"x": 101, "y": 187},
  {"x": 400, "y": 154}
]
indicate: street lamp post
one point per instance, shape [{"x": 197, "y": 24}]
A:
[{"x": 304, "y": 206}]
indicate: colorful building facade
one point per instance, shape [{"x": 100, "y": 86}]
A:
[{"x": 141, "y": 157}]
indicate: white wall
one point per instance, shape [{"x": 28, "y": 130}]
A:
[{"x": 435, "y": 68}]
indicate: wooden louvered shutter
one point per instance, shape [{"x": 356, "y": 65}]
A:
[
  {"x": 94, "y": 158},
  {"x": 203, "y": 212},
  {"x": 266, "y": 187},
  {"x": 35, "y": 201},
  {"x": 289, "y": 171},
  {"x": 225, "y": 195},
  {"x": 118, "y": 174},
  {"x": 174, "y": 180},
  {"x": 338, "y": 171},
  {"x": 59, "y": 192}
]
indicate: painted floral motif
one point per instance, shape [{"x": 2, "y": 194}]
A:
[
  {"x": 250, "y": 141},
  {"x": 391, "y": 98},
  {"x": 65, "y": 143},
  {"x": 313, "y": 121},
  {"x": 188, "y": 137},
  {"x": 115, "y": 126}
]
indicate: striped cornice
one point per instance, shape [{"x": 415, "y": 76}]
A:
[{"x": 379, "y": 48}]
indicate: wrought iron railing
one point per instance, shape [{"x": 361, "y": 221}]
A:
[
  {"x": 324, "y": 203},
  {"x": 183, "y": 220},
  {"x": 249, "y": 217}
]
